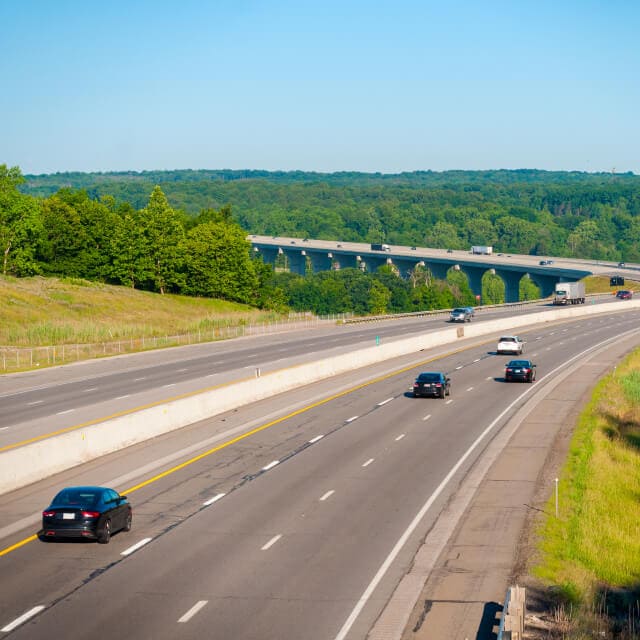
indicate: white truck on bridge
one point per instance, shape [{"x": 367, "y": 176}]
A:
[
  {"x": 569, "y": 293},
  {"x": 483, "y": 250}
]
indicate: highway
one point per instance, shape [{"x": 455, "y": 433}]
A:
[
  {"x": 280, "y": 519},
  {"x": 39, "y": 402}
]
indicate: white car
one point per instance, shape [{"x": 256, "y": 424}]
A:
[{"x": 511, "y": 345}]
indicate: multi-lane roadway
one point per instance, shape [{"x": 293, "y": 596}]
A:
[{"x": 293, "y": 517}]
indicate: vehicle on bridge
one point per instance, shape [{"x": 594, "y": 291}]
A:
[
  {"x": 569, "y": 293},
  {"x": 380, "y": 247},
  {"x": 482, "y": 250}
]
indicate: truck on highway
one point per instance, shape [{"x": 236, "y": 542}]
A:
[
  {"x": 569, "y": 293},
  {"x": 380, "y": 247},
  {"x": 482, "y": 250}
]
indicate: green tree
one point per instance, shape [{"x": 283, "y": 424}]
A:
[
  {"x": 130, "y": 261},
  {"x": 20, "y": 225},
  {"x": 217, "y": 263},
  {"x": 164, "y": 234}
]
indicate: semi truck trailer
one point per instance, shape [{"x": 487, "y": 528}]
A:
[{"x": 569, "y": 293}]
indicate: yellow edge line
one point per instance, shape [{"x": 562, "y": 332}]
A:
[
  {"x": 17, "y": 545},
  {"x": 224, "y": 445}
]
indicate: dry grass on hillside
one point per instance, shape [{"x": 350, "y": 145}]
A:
[{"x": 45, "y": 311}]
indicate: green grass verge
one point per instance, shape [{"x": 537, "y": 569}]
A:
[{"x": 593, "y": 547}]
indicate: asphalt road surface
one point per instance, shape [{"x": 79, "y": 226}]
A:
[
  {"x": 39, "y": 402},
  {"x": 294, "y": 517}
]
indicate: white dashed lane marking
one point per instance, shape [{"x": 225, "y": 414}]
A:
[
  {"x": 368, "y": 462},
  {"x": 351, "y": 419},
  {"x": 271, "y": 542},
  {"x": 314, "y": 440},
  {"x": 192, "y": 612},
  {"x": 91, "y": 389},
  {"x": 470, "y": 389},
  {"x": 380, "y": 404},
  {"x": 136, "y": 546},
  {"x": 214, "y": 499},
  {"x": 30, "y": 404},
  {"x": 449, "y": 401},
  {"x": 400, "y": 437},
  {"x": 61, "y": 413},
  {"x": 327, "y": 495},
  {"x": 23, "y": 618},
  {"x": 427, "y": 416},
  {"x": 271, "y": 465},
  {"x": 122, "y": 397}
]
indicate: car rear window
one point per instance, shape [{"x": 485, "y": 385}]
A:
[
  {"x": 507, "y": 339},
  {"x": 429, "y": 377},
  {"x": 519, "y": 363},
  {"x": 76, "y": 497}
]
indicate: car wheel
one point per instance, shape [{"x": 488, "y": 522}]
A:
[
  {"x": 127, "y": 522},
  {"x": 105, "y": 535},
  {"x": 449, "y": 391},
  {"x": 442, "y": 394}
]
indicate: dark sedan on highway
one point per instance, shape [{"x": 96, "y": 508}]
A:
[
  {"x": 523, "y": 370},
  {"x": 86, "y": 512},
  {"x": 432, "y": 383},
  {"x": 624, "y": 294}
]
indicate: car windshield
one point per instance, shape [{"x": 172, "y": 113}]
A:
[
  {"x": 77, "y": 497},
  {"x": 518, "y": 363},
  {"x": 429, "y": 377},
  {"x": 458, "y": 311}
]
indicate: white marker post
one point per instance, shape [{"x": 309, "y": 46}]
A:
[{"x": 556, "y": 497}]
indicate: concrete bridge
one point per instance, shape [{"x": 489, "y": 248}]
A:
[{"x": 323, "y": 255}]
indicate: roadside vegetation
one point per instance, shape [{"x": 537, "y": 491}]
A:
[{"x": 590, "y": 553}]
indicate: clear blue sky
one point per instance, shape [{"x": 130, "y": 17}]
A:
[{"x": 328, "y": 85}]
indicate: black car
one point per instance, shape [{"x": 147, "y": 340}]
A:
[
  {"x": 86, "y": 512},
  {"x": 433, "y": 384},
  {"x": 523, "y": 370}
]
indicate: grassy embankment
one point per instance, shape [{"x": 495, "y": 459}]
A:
[
  {"x": 590, "y": 554},
  {"x": 50, "y": 312}
]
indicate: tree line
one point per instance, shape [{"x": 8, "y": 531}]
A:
[
  {"x": 121, "y": 228},
  {"x": 568, "y": 214}
]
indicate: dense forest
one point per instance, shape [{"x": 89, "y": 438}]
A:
[
  {"x": 569, "y": 214},
  {"x": 185, "y": 231}
]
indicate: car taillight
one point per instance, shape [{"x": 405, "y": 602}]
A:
[
  {"x": 48, "y": 514},
  {"x": 438, "y": 384},
  {"x": 415, "y": 384},
  {"x": 90, "y": 514}
]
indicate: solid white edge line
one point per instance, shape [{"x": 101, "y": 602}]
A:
[
  {"x": 368, "y": 462},
  {"x": 402, "y": 435},
  {"x": 214, "y": 499},
  {"x": 136, "y": 546},
  {"x": 362, "y": 601},
  {"x": 351, "y": 419},
  {"x": 314, "y": 440},
  {"x": 327, "y": 495},
  {"x": 380, "y": 404},
  {"x": 192, "y": 612},
  {"x": 23, "y": 618},
  {"x": 271, "y": 465},
  {"x": 271, "y": 542}
]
